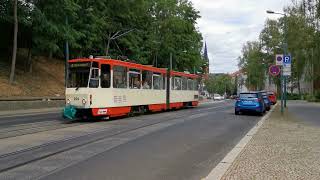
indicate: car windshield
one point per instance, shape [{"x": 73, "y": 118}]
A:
[
  {"x": 248, "y": 95},
  {"x": 78, "y": 75}
]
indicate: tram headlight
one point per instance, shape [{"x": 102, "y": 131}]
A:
[
  {"x": 68, "y": 101},
  {"x": 84, "y": 101}
]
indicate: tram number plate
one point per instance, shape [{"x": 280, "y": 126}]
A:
[{"x": 102, "y": 111}]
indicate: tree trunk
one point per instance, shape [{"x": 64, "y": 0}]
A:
[
  {"x": 50, "y": 54},
  {"x": 30, "y": 60},
  {"x": 15, "y": 37},
  {"x": 299, "y": 88}
]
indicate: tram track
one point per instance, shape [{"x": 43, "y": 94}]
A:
[
  {"x": 31, "y": 128},
  {"x": 22, "y": 157}
]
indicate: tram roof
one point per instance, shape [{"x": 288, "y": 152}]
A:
[{"x": 133, "y": 65}]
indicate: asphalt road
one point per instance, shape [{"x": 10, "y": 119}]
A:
[
  {"x": 189, "y": 149},
  {"x": 11, "y": 120},
  {"x": 306, "y": 112}
]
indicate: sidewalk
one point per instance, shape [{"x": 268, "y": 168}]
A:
[{"x": 283, "y": 148}]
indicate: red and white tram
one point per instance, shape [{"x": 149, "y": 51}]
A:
[{"x": 110, "y": 88}]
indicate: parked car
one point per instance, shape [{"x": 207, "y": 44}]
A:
[
  {"x": 272, "y": 97},
  {"x": 218, "y": 97},
  {"x": 266, "y": 100},
  {"x": 250, "y": 102}
]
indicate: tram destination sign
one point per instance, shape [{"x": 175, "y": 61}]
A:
[{"x": 80, "y": 65}]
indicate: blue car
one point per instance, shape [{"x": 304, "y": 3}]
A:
[
  {"x": 266, "y": 100},
  {"x": 250, "y": 102}
]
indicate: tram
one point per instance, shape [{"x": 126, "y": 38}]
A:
[{"x": 104, "y": 88}]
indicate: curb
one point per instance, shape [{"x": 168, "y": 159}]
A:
[{"x": 218, "y": 172}]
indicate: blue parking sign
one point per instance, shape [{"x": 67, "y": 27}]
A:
[{"x": 287, "y": 60}]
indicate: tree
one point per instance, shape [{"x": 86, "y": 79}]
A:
[
  {"x": 15, "y": 37},
  {"x": 220, "y": 84},
  {"x": 254, "y": 65}
]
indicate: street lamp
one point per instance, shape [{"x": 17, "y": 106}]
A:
[{"x": 283, "y": 78}]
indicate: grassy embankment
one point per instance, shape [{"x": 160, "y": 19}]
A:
[{"x": 47, "y": 78}]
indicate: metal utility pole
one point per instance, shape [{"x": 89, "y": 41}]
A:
[
  {"x": 168, "y": 83},
  {"x": 285, "y": 53},
  {"x": 283, "y": 78},
  {"x": 66, "y": 67}
]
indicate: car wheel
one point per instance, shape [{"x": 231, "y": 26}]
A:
[
  {"x": 236, "y": 112},
  {"x": 261, "y": 113}
]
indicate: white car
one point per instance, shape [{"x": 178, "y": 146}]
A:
[{"x": 218, "y": 97}]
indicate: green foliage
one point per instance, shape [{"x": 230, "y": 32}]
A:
[
  {"x": 253, "y": 63},
  {"x": 299, "y": 32},
  {"x": 293, "y": 96},
  {"x": 220, "y": 84},
  {"x": 159, "y": 27}
]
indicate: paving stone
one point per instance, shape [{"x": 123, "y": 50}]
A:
[{"x": 283, "y": 148}]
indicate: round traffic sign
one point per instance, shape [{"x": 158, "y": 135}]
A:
[
  {"x": 279, "y": 59},
  {"x": 274, "y": 70}
]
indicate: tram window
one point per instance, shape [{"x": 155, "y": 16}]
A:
[
  {"x": 157, "y": 79},
  {"x": 146, "y": 79},
  {"x": 190, "y": 85},
  {"x": 94, "y": 78},
  {"x": 119, "y": 77},
  {"x": 134, "y": 79},
  {"x": 196, "y": 85},
  {"x": 95, "y": 64},
  {"x": 78, "y": 75},
  {"x": 184, "y": 83},
  {"x": 177, "y": 83},
  {"x": 105, "y": 76},
  {"x": 164, "y": 79},
  {"x": 172, "y": 83}
]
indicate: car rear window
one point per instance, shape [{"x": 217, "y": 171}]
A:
[{"x": 248, "y": 95}]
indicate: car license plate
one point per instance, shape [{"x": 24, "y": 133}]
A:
[{"x": 247, "y": 102}]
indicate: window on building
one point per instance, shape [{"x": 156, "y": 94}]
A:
[
  {"x": 119, "y": 77},
  {"x": 184, "y": 83},
  {"x": 105, "y": 76},
  {"x": 147, "y": 79},
  {"x": 134, "y": 79}
]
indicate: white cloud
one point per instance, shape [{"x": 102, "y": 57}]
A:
[{"x": 227, "y": 24}]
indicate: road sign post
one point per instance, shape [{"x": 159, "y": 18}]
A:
[
  {"x": 286, "y": 72},
  {"x": 279, "y": 63}
]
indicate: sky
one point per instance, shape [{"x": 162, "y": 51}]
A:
[{"x": 228, "y": 24}]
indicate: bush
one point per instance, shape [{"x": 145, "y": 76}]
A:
[
  {"x": 293, "y": 96},
  {"x": 314, "y": 98}
]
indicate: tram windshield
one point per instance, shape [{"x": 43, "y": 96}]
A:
[{"x": 78, "y": 75}]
